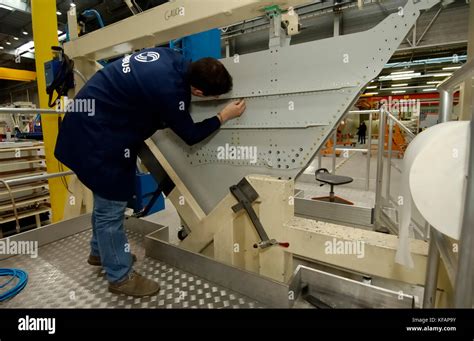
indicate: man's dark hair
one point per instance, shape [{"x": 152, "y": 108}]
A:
[{"x": 210, "y": 76}]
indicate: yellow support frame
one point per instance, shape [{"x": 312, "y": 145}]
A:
[
  {"x": 45, "y": 34},
  {"x": 17, "y": 75}
]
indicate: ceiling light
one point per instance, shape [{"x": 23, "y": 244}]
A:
[
  {"x": 434, "y": 82},
  {"x": 372, "y": 87},
  {"x": 8, "y": 43},
  {"x": 430, "y": 90},
  {"x": 15, "y": 38},
  {"x": 452, "y": 68},
  {"x": 73, "y": 4},
  {"x": 6, "y": 7},
  {"x": 400, "y": 77},
  {"x": 406, "y": 75},
  {"x": 399, "y": 85},
  {"x": 399, "y": 92},
  {"x": 402, "y": 72},
  {"x": 371, "y": 93},
  {"x": 25, "y": 33},
  {"x": 27, "y": 47},
  {"x": 58, "y": 13},
  {"x": 412, "y": 87},
  {"x": 441, "y": 74},
  {"x": 1, "y": 47}
]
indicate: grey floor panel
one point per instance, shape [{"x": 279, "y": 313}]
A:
[{"x": 61, "y": 278}]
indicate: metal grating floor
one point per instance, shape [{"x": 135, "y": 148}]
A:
[{"x": 60, "y": 277}]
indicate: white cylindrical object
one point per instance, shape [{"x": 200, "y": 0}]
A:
[{"x": 434, "y": 178}]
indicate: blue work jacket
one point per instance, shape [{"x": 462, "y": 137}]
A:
[{"x": 121, "y": 106}]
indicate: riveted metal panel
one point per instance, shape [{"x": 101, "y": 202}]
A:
[{"x": 296, "y": 96}]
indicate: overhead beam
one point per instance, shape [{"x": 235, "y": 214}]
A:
[
  {"x": 166, "y": 22},
  {"x": 17, "y": 75}
]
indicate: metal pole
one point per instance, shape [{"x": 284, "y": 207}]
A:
[
  {"x": 30, "y": 111},
  {"x": 337, "y": 23},
  {"x": 336, "y": 32},
  {"x": 369, "y": 152},
  {"x": 227, "y": 48},
  {"x": 427, "y": 230},
  {"x": 379, "y": 178},
  {"x": 334, "y": 154},
  {"x": 414, "y": 35},
  {"x": 432, "y": 267},
  {"x": 18, "y": 181},
  {"x": 374, "y": 111},
  {"x": 431, "y": 278},
  {"x": 401, "y": 125},
  {"x": 464, "y": 287},
  {"x": 428, "y": 26},
  {"x": 446, "y": 105},
  {"x": 389, "y": 157}
]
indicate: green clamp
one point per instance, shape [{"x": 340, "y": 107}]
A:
[{"x": 273, "y": 11}]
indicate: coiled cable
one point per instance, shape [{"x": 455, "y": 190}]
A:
[{"x": 19, "y": 286}]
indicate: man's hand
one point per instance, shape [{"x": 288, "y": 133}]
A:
[{"x": 232, "y": 110}]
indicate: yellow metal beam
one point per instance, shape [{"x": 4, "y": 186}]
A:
[
  {"x": 45, "y": 34},
  {"x": 17, "y": 75}
]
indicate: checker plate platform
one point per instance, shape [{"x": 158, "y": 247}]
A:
[{"x": 60, "y": 277}]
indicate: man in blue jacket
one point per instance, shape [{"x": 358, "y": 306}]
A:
[{"x": 130, "y": 99}]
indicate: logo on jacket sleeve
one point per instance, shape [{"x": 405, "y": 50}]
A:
[{"x": 147, "y": 57}]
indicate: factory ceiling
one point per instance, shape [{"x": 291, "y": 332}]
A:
[{"x": 16, "y": 28}]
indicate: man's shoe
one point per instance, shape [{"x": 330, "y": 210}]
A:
[
  {"x": 135, "y": 285},
  {"x": 95, "y": 260}
]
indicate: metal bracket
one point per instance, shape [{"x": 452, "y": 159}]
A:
[
  {"x": 291, "y": 22},
  {"x": 246, "y": 195},
  {"x": 278, "y": 36}
]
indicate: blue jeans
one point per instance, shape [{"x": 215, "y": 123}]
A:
[{"x": 109, "y": 240}]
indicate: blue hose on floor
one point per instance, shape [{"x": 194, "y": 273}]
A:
[{"x": 14, "y": 273}]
